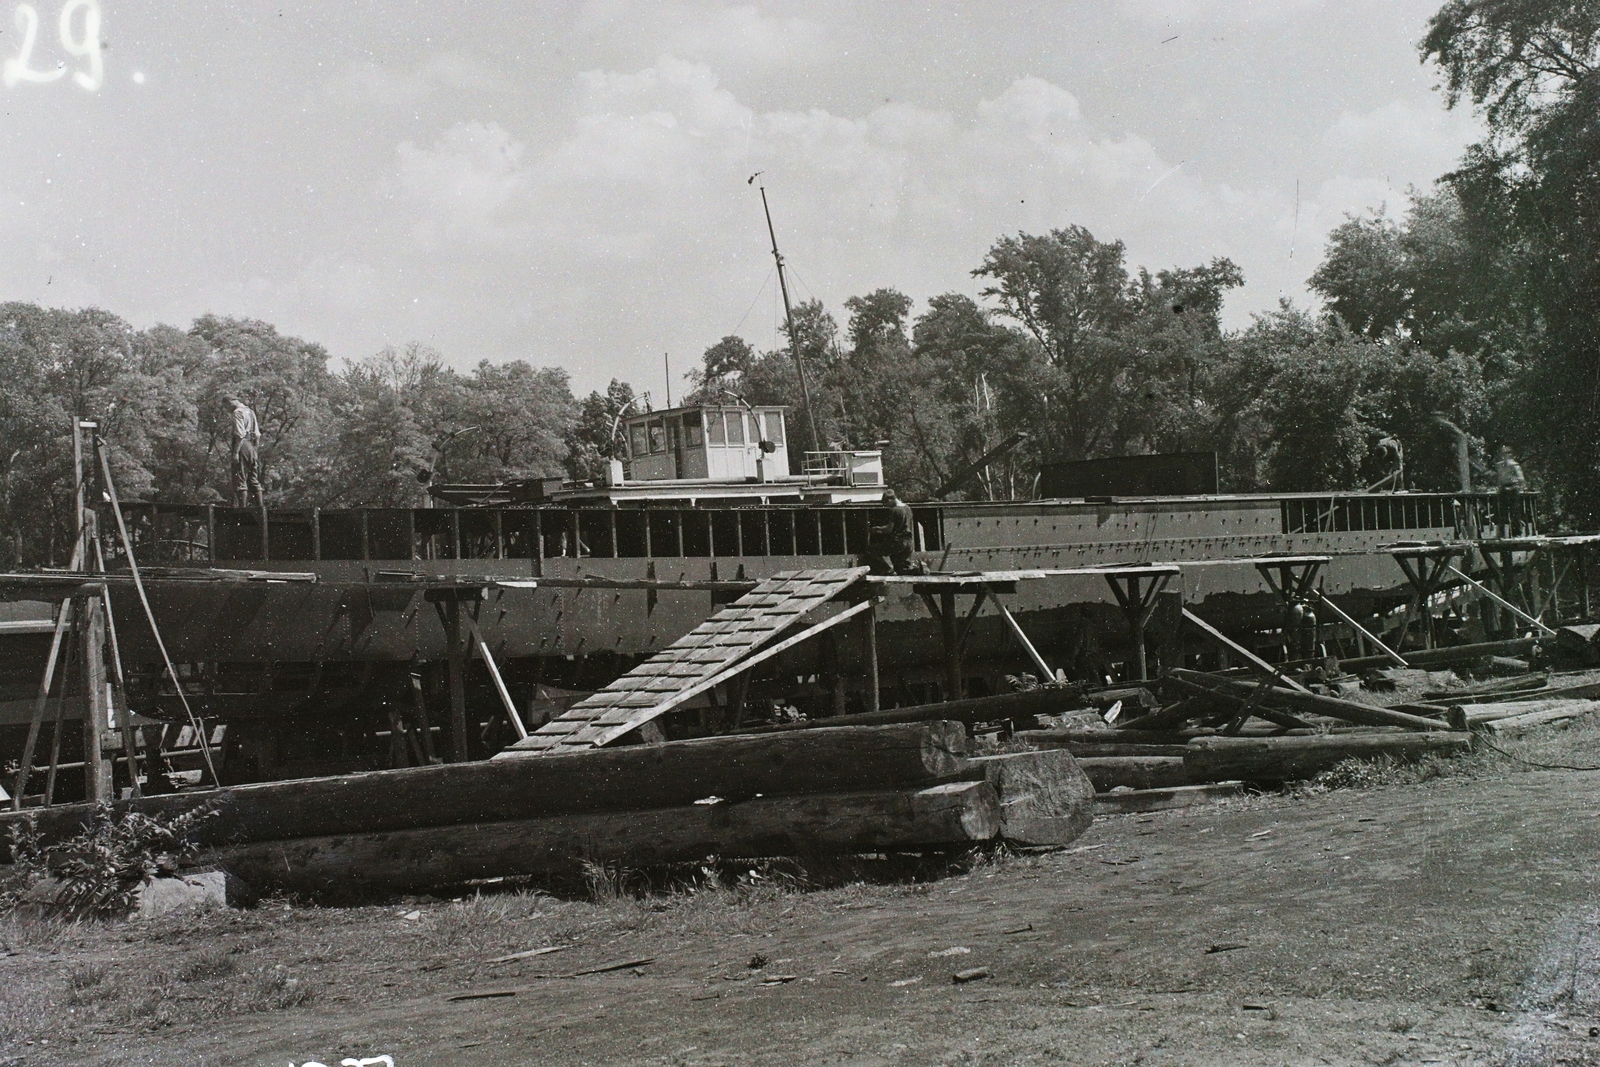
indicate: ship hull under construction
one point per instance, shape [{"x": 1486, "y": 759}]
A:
[{"x": 336, "y": 624}]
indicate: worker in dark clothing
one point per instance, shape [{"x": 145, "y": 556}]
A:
[
  {"x": 1512, "y": 483},
  {"x": 892, "y": 538},
  {"x": 246, "y": 459}
]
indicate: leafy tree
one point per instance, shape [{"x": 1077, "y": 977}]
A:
[
  {"x": 286, "y": 381},
  {"x": 1531, "y": 69},
  {"x": 523, "y": 415},
  {"x": 589, "y": 440},
  {"x": 389, "y": 407},
  {"x": 723, "y": 365},
  {"x": 1363, "y": 275},
  {"x": 1302, "y": 404},
  {"x": 1117, "y": 357}
]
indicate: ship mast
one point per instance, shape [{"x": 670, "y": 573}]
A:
[{"x": 788, "y": 312}]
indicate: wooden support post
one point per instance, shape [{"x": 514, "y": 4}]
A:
[
  {"x": 455, "y": 667},
  {"x": 833, "y": 659},
  {"x": 25, "y": 770},
  {"x": 73, "y": 648},
  {"x": 1137, "y": 607},
  {"x": 871, "y": 627},
  {"x": 499, "y": 683},
  {"x": 1016, "y": 631},
  {"x": 1170, "y": 654},
  {"x": 1583, "y": 580},
  {"x": 419, "y": 707},
  {"x": 96, "y": 705},
  {"x": 952, "y": 646},
  {"x": 1228, "y": 644}
]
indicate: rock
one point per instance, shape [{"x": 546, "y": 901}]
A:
[{"x": 208, "y": 889}]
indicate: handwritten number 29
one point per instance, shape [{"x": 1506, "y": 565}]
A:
[{"x": 86, "y": 47}]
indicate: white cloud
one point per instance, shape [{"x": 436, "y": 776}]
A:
[
  {"x": 650, "y": 177},
  {"x": 640, "y": 205},
  {"x": 742, "y": 36},
  {"x": 464, "y": 180},
  {"x": 1406, "y": 143}
]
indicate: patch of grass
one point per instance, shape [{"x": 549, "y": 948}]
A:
[
  {"x": 1570, "y": 745},
  {"x": 607, "y": 883},
  {"x": 207, "y": 965},
  {"x": 274, "y": 990},
  {"x": 86, "y": 984}
]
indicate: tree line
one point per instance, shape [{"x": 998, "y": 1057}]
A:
[{"x": 1477, "y": 306}]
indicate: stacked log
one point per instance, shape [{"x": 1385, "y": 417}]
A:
[
  {"x": 1045, "y": 797},
  {"x": 355, "y": 866},
  {"x": 901, "y": 787},
  {"x": 1287, "y": 759}
]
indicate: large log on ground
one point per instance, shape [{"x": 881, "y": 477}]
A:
[
  {"x": 1045, "y": 798},
  {"x": 1014, "y": 707},
  {"x": 1311, "y": 703},
  {"x": 1476, "y": 714},
  {"x": 1135, "y": 772},
  {"x": 1285, "y": 759},
  {"x": 1513, "y": 725},
  {"x": 1490, "y": 691},
  {"x": 1445, "y": 657},
  {"x": 1076, "y": 737},
  {"x": 606, "y": 779},
  {"x": 1180, "y": 796},
  {"x": 1081, "y": 747},
  {"x": 357, "y": 866}
]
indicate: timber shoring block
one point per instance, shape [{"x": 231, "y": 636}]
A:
[
  {"x": 1512, "y": 725},
  {"x": 1286, "y": 759},
  {"x": 1095, "y": 745},
  {"x": 357, "y": 866},
  {"x": 1136, "y": 772},
  {"x": 1073, "y": 737},
  {"x": 606, "y": 779},
  {"x": 1179, "y": 796},
  {"x": 1045, "y": 798},
  {"x": 1012, "y": 706},
  {"x": 1445, "y": 657},
  {"x": 1311, "y": 703}
]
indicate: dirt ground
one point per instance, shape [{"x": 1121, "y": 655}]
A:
[{"x": 1453, "y": 921}]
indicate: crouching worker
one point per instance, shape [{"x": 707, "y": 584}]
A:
[{"x": 891, "y": 539}]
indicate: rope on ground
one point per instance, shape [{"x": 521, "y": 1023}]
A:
[{"x": 1481, "y": 740}]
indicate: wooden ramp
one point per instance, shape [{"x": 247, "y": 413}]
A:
[{"x": 694, "y": 663}]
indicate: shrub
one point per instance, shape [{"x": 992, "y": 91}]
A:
[{"x": 103, "y": 867}]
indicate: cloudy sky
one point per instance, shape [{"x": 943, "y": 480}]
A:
[{"x": 566, "y": 182}]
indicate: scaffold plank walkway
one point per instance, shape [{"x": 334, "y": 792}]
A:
[{"x": 681, "y": 670}]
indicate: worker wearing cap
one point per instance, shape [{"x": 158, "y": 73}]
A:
[{"x": 246, "y": 460}]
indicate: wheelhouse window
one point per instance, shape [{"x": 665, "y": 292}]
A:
[
  {"x": 658, "y": 437},
  {"x": 735, "y": 427},
  {"x": 638, "y": 440}
]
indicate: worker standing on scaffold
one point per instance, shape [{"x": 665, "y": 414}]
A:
[{"x": 246, "y": 458}]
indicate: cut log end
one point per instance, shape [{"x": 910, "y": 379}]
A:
[{"x": 1045, "y": 798}]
